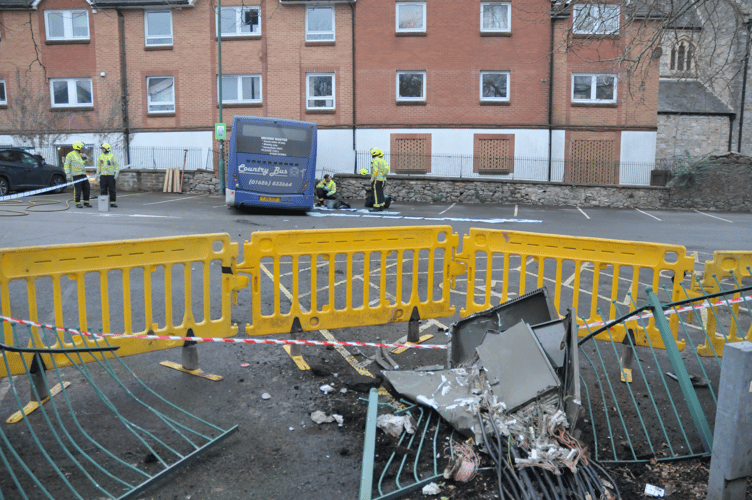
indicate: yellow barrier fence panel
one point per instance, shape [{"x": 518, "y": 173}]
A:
[
  {"x": 724, "y": 264},
  {"x": 159, "y": 286},
  {"x": 384, "y": 273},
  {"x": 588, "y": 275}
]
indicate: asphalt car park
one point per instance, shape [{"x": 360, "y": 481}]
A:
[{"x": 278, "y": 452}]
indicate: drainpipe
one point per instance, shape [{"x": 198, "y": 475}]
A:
[
  {"x": 124, "y": 88},
  {"x": 731, "y": 131},
  {"x": 550, "y": 98},
  {"x": 744, "y": 88},
  {"x": 352, "y": 35}
]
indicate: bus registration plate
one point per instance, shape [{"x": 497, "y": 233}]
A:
[{"x": 270, "y": 198}]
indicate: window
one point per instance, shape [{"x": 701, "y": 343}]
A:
[
  {"x": 158, "y": 27},
  {"x": 411, "y": 85},
  {"x": 596, "y": 19},
  {"x": 495, "y": 17},
  {"x": 494, "y": 85},
  {"x": 161, "y": 94},
  {"x": 241, "y": 20},
  {"x": 681, "y": 56},
  {"x": 241, "y": 89},
  {"x": 66, "y": 25},
  {"x": 320, "y": 91},
  {"x": 319, "y": 24},
  {"x": 71, "y": 92},
  {"x": 3, "y": 97},
  {"x": 411, "y": 17},
  {"x": 593, "y": 88}
]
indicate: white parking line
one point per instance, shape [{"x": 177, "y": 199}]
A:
[
  {"x": 713, "y": 216},
  {"x": 453, "y": 204},
  {"x": 583, "y": 213},
  {"x": 515, "y": 210},
  {"x": 645, "y": 213},
  {"x": 174, "y": 199}
]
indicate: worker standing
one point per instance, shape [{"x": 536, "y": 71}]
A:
[
  {"x": 326, "y": 188},
  {"x": 108, "y": 170},
  {"x": 75, "y": 169},
  {"x": 379, "y": 171}
]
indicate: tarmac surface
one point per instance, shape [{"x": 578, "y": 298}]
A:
[{"x": 278, "y": 452}]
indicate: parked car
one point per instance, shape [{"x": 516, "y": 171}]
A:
[{"x": 22, "y": 171}]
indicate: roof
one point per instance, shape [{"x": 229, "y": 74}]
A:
[
  {"x": 689, "y": 97},
  {"x": 19, "y": 4}
]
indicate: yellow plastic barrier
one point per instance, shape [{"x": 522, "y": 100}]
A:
[
  {"x": 298, "y": 271},
  {"x": 54, "y": 278},
  {"x": 538, "y": 259},
  {"x": 722, "y": 265}
]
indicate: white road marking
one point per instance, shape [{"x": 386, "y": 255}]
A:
[
  {"x": 515, "y": 210},
  {"x": 583, "y": 213},
  {"x": 713, "y": 216},
  {"x": 645, "y": 213},
  {"x": 453, "y": 204},
  {"x": 174, "y": 199},
  {"x": 439, "y": 219}
]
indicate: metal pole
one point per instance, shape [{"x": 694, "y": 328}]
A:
[{"x": 219, "y": 81}]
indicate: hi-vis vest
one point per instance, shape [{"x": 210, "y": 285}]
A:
[
  {"x": 379, "y": 169},
  {"x": 74, "y": 164},
  {"x": 108, "y": 164},
  {"x": 330, "y": 186}
]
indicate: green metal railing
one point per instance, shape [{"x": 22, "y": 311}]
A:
[
  {"x": 668, "y": 409},
  {"x": 108, "y": 438}
]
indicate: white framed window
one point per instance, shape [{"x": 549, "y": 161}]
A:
[
  {"x": 240, "y": 20},
  {"x": 411, "y": 85},
  {"x": 320, "y": 90},
  {"x": 66, "y": 25},
  {"x": 241, "y": 89},
  {"x": 495, "y": 17},
  {"x": 593, "y": 88},
  {"x": 3, "y": 96},
  {"x": 160, "y": 97},
  {"x": 411, "y": 17},
  {"x": 158, "y": 28},
  {"x": 596, "y": 19},
  {"x": 71, "y": 92},
  {"x": 319, "y": 23},
  {"x": 494, "y": 86}
]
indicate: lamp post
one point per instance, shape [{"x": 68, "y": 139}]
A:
[{"x": 219, "y": 80}]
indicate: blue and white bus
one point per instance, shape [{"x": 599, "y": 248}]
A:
[{"x": 272, "y": 163}]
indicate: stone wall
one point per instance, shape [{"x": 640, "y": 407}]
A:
[
  {"x": 722, "y": 184},
  {"x": 696, "y": 135},
  {"x": 194, "y": 181}
]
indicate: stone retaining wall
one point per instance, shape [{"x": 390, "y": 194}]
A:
[{"x": 726, "y": 185}]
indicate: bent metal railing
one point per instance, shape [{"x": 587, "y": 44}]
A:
[{"x": 87, "y": 442}]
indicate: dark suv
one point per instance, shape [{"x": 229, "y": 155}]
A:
[{"x": 21, "y": 171}]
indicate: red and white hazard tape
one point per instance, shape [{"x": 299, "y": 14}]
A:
[{"x": 322, "y": 342}]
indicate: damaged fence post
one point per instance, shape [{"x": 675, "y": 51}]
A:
[
  {"x": 369, "y": 446},
  {"x": 295, "y": 331},
  {"x": 730, "y": 465},
  {"x": 627, "y": 357},
  {"x": 680, "y": 369}
]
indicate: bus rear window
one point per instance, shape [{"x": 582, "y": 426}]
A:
[{"x": 277, "y": 140}]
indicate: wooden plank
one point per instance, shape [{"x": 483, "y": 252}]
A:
[{"x": 166, "y": 176}]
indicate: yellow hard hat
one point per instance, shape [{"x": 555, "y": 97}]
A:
[
  {"x": 78, "y": 146},
  {"x": 363, "y": 171},
  {"x": 106, "y": 146},
  {"x": 376, "y": 152}
]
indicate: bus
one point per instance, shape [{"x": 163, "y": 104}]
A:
[{"x": 271, "y": 163}]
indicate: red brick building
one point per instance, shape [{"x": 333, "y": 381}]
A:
[{"x": 447, "y": 87}]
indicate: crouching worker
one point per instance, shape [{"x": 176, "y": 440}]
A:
[
  {"x": 326, "y": 188},
  {"x": 75, "y": 170},
  {"x": 108, "y": 170}
]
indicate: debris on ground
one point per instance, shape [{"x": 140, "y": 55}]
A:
[
  {"x": 512, "y": 387},
  {"x": 321, "y": 417},
  {"x": 653, "y": 491},
  {"x": 266, "y": 395},
  {"x": 326, "y": 388},
  {"x": 395, "y": 425},
  {"x": 431, "y": 489}
]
